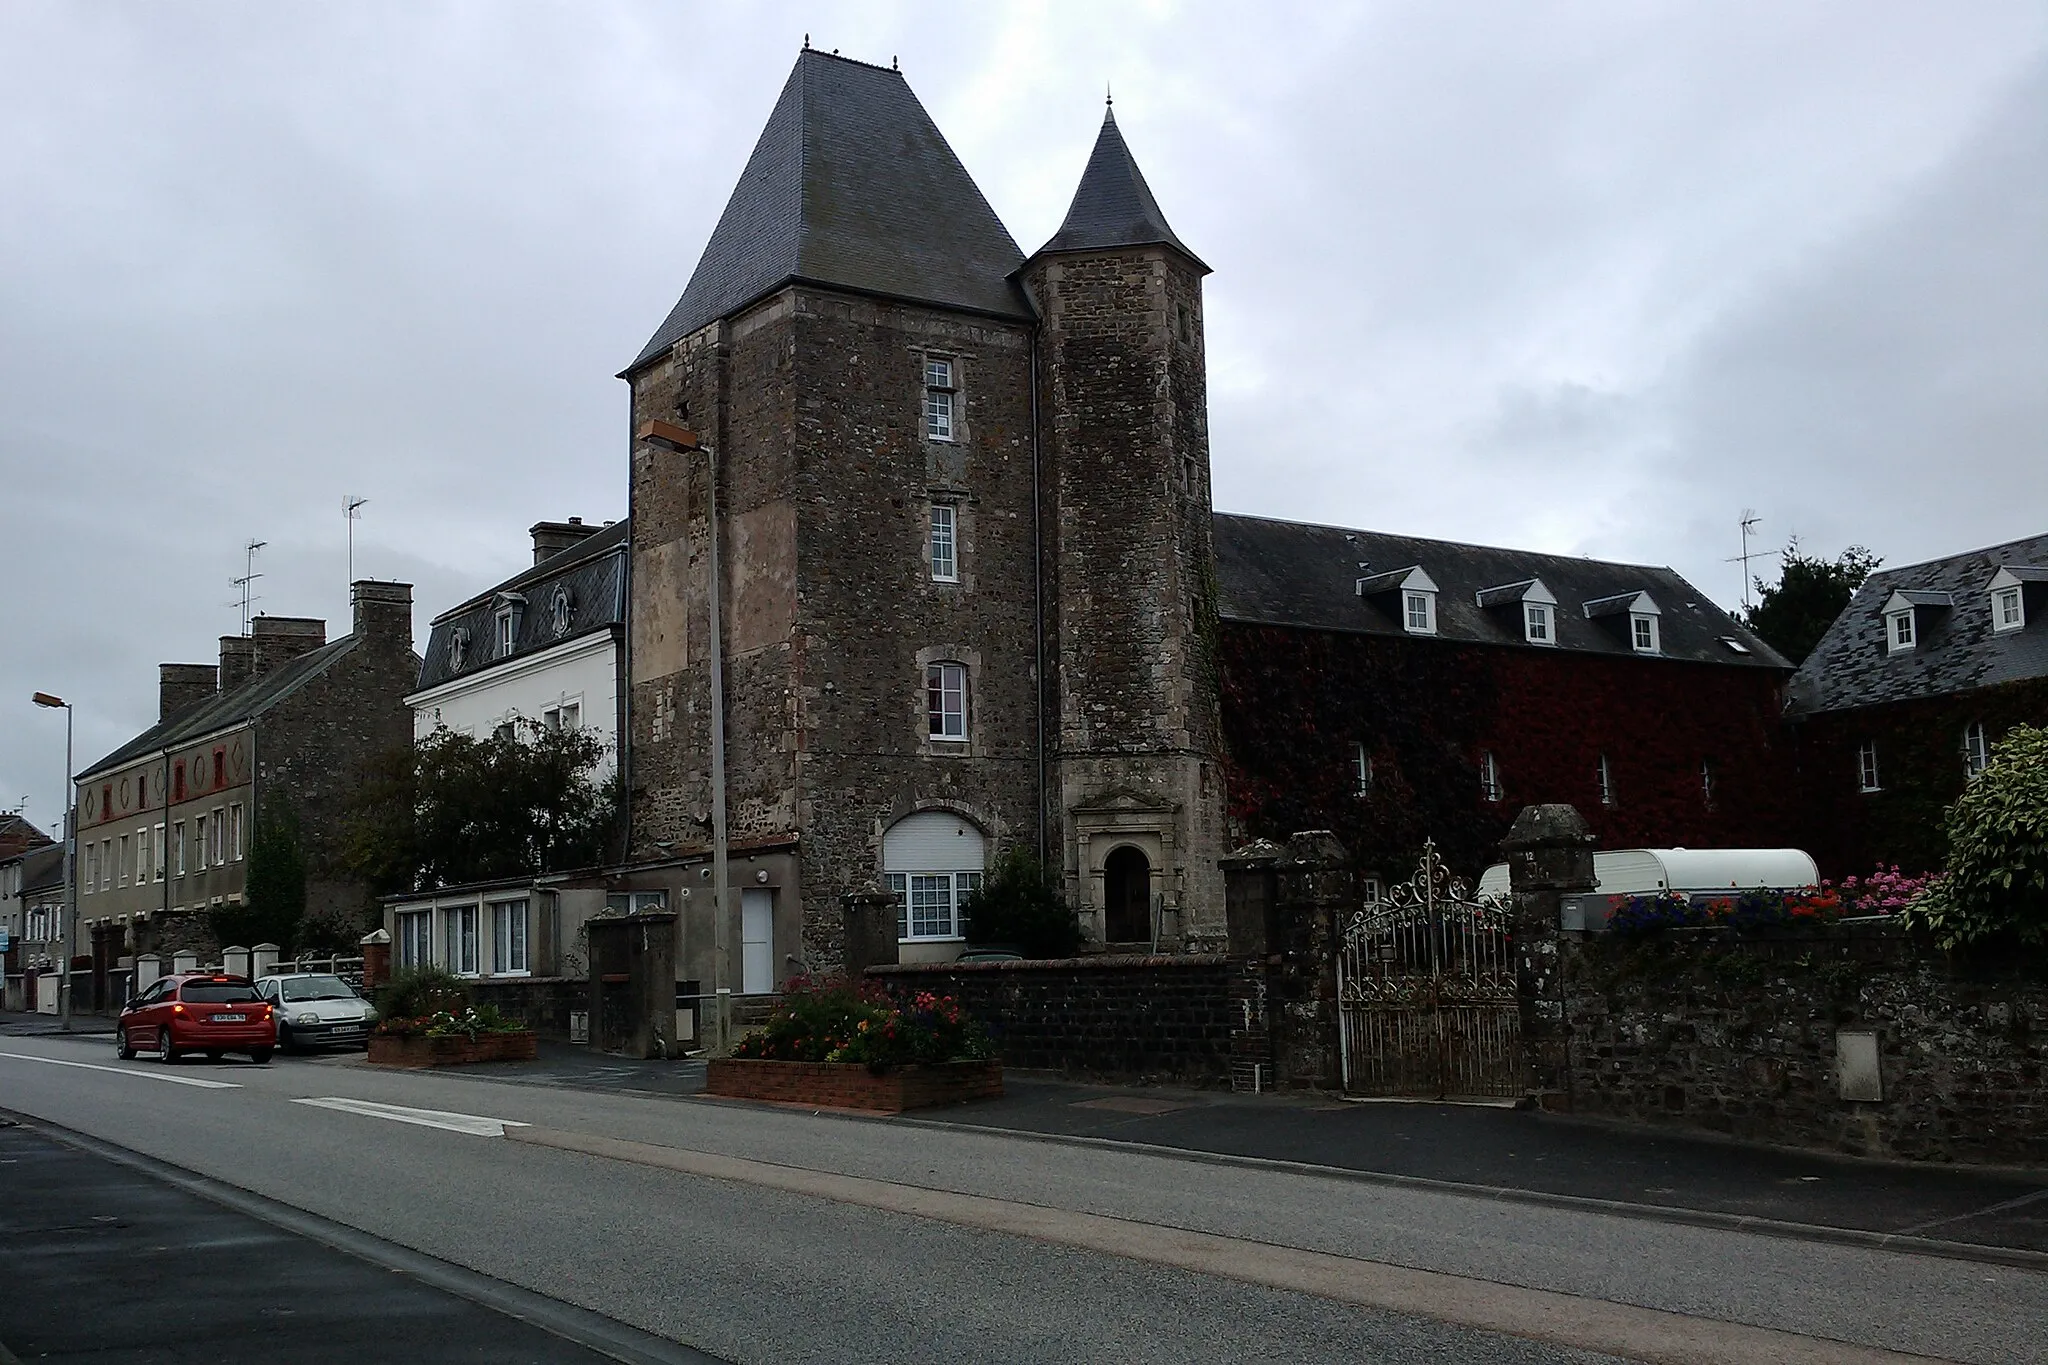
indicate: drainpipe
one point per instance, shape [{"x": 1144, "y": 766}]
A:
[{"x": 1038, "y": 588}]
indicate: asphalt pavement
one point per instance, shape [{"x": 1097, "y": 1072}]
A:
[
  {"x": 109, "y": 1261},
  {"x": 1474, "y": 1146}
]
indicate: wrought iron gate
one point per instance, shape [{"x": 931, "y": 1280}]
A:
[{"x": 1426, "y": 1001}]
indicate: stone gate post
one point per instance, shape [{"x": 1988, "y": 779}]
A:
[
  {"x": 1549, "y": 852},
  {"x": 1314, "y": 888}
]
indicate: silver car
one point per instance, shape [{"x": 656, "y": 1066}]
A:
[{"x": 317, "y": 1010}]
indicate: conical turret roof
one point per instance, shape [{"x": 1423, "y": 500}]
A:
[
  {"x": 1114, "y": 206},
  {"x": 851, "y": 185}
]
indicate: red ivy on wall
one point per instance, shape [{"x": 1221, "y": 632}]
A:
[{"x": 1295, "y": 701}]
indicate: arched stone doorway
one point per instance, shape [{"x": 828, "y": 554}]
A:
[{"x": 1126, "y": 897}]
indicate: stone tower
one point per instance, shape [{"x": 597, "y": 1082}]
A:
[
  {"x": 856, "y": 349},
  {"x": 1129, "y": 559}
]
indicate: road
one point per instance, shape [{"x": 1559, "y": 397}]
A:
[{"x": 759, "y": 1234}]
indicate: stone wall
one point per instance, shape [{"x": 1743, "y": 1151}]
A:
[
  {"x": 544, "y": 1002},
  {"x": 1738, "y": 1035},
  {"x": 1169, "y": 1019}
]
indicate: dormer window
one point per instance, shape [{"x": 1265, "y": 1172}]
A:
[
  {"x": 1409, "y": 595},
  {"x": 2009, "y": 589},
  {"x": 1536, "y": 605},
  {"x": 458, "y": 648},
  {"x": 511, "y": 612},
  {"x": 1634, "y": 617},
  {"x": 561, "y": 612},
  {"x": 1907, "y": 614}
]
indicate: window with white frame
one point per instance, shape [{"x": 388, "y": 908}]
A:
[
  {"x": 106, "y": 864},
  {"x": 236, "y": 845},
  {"x": 1976, "y": 749},
  {"x": 928, "y": 904},
  {"x": 1419, "y": 612},
  {"x": 508, "y": 937},
  {"x": 1536, "y": 623},
  {"x": 1606, "y": 775},
  {"x": 199, "y": 842},
  {"x": 1898, "y": 631},
  {"x": 1642, "y": 629},
  {"x": 1369, "y": 890},
  {"x": 1489, "y": 776},
  {"x": 944, "y": 543},
  {"x": 92, "y": 868},
  {"x": 940, "y": 395},
  {"x": 121, "y": 863},
  {"x": 1361, "y": 769},
  {"x": 636, "y": 902},
  {"x": 567, "y": 716},
  {"x": 508, "y": 631},
  {"x": 217, "y": 838},
  {"x": 178, "y": 849},
  {"x": 1866, "y": 765},
  {"x": 145, "y": 854},
  {"x": 945, "y": 688},
  {"x": 161, "y": 854},
  {"x": 459, "y": 941},
  {"x": 415, "y": 946},
  {"x": 2008, "y": 609},
  {"x": 933, "y": 861}
]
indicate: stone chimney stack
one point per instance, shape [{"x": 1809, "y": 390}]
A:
[
  {"x": 181, "y": 685},
  {"x": 237, "y": 661},
  {"x": 383, "y": 612},
  {"x": 280, "y": 639},
  {"x": 550, "y": 538}
]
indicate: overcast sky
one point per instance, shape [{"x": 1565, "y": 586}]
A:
[{"x": 1582, "y": 278}]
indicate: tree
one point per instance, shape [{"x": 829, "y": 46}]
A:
[
  {"x": 274, "y": 896},
  {"x": 1793, "y": 613},
  {"x": 454, "y": 809},
  {"x": 1019, "y": 905},
  {"x": 1996, "y": 883}
]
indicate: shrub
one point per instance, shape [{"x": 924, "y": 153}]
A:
[
  {"x": 468, "y": 1022},
  {"x": 838, "y": 1021},
  {"x": 1019, "y": 904},
  {"x": 1996, "y": 884},
  {"x": 420, "y": 992}
]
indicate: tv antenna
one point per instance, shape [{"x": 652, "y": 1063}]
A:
[
  {"x": 1749, "y": 523},
  {"x": 352, "y": 508},
  {"x": 248, "y": 578}
]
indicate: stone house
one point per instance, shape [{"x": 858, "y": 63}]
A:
[
  {"x": 1898, "y": 705},
  {"x": 287, "y": 719},
  {"x": 1391, "y": 688},
  {"x": 31, "y": 913}
]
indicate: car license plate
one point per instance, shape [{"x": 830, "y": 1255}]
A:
[{"x": 229, "y": 1018}]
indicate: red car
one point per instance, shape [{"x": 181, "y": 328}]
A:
[{"x": 207, "y": 1012}]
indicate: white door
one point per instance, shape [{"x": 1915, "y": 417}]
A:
[{"x": 757, "y": 940}]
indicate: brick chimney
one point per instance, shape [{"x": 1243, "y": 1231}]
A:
[
  {"x": 280, "y": 639},
  {"x": 237, "y": 661},
  {"x": 550, "y": 538},
  {"x": 181, "y": 685},
  {"x": 383, "y": 612}
]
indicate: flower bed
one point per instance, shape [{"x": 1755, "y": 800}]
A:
[
  {"x": 446, "y": 1038},
  {"x": 848, "y": 1046},
  {"x": 1884, "y": 892},
  {"x": 855, "y": 1085},
  {"x": 456, "y": 1050}
]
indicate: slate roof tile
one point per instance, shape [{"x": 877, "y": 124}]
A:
[
  {"x": 593, "y": 574},
  {"x": 1956, "y": 651},
  {"x": 1113, "y": 206}
]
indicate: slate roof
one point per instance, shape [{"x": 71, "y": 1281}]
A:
[
  {"x": 1294, "y": 574},
  {"x": 851, "y": 185},
  {"x": 254, "y": 697},
  {"x": 17, "y": 835},
  {"x": 592, "y": 571},
  {"x": 1956, "y": 649},
  {"x": 42, "y": 868},
  {"x": 1114, "y": 206}
]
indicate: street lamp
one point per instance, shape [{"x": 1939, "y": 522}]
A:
[
  {"x": 682, "y": 441},
  {"x": 44, "y": 699}
]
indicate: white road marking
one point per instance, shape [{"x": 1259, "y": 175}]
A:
[
  {"x": 129, "y": 1071},
  {"x": 476, "y": 1125}
]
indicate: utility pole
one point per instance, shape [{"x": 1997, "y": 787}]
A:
[
  {"x": 1749, "y": 524},
  {"x": 352, "y": 508},
  {"x": 248, "y": 578}
]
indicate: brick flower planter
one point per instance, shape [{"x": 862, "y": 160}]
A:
[
  {"x": 457, "y": 1051},
  {"x": 850, "y": 1085}
]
